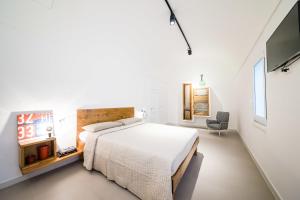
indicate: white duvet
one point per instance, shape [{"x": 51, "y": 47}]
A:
[{"x": 141, "y": 157}]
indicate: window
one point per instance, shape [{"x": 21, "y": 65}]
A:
[{"x": 260, "y": 107}]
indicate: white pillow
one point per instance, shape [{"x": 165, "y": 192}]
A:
[
  {"x": 128, "y": 121},
  {"x": 101, "y": 126},
  {"x": 83, "y": 135}
]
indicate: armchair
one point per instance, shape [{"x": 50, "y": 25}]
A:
[{"x": 221, "y": 122}]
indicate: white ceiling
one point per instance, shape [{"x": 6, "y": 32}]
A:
[
  {"x": 222, "y": 31},
  {"x": 137, "y": 33},
  {"x": 218, "y": 30}
]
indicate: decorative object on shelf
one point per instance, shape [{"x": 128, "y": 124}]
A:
[
  {"x": 202, "y": 82},
  {"x": 144, "y": 113},
  {"x": 31, "y": 125},
  {"x": 141, "y": 113},
  {"x": 49, "y": 130},
  {"x": 66, "y": 151},
  {"x": 43, "y": 152},
  {"x": 187, "y": 101},
  {"x": 30, "y": 159}
]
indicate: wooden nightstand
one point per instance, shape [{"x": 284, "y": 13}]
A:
[{"x": 29, "y": 147}]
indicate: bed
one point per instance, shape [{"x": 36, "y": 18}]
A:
[{"x": 146, "y": 158}]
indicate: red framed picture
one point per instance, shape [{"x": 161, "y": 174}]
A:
[{"x": 32, "y": 125}]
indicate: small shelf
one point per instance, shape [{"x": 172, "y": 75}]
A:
[
  {"x": 37, "y": 163},
  {"x": 50, "y": 161},
  {"x": 202, "y": 99},
  {"x": 34, "y": 141},
  {"x": 29, "y": 147},
  {"x": 201, "y": 102}
]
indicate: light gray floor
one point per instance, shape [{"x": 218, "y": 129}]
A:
[{"x": 222, "y": 170}]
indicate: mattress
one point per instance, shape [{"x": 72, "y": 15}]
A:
[{"x": 169, "y": 142}]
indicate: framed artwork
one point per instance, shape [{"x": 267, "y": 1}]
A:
[{"x": 32, "y": 125}]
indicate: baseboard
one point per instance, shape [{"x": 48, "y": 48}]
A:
[
  {"x": 273, "y": 189},
  {"x": 186, "y": 125},
  {"x": 19, "y": 179}
]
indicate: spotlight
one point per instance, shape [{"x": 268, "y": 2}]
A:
[{"x": 172, "y": 19}]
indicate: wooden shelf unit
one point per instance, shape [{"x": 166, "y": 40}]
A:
[
  {"x": 29, "y": 146},
  {"x": 34, "y": 141},
  {"x": 201, "y": 102},
  {"x": 48, "y": 162}
]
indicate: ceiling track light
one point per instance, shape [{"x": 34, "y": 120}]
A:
[{"x": 173, "y": 21}]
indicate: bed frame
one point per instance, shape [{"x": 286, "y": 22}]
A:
[{"x": 90, "y": 116}]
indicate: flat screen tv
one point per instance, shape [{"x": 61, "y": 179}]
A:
[{"x": 283, "y": 47}]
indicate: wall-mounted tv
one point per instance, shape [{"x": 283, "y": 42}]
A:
[{"x": 283, "y": 47}]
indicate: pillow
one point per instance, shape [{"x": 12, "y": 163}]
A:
[
  {"x": 128, "y": 121},
  {"x": 83, "y": 135},
  {"x": 101, "y": 126}
]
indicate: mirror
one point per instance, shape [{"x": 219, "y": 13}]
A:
[{"x": 187, "y": 101}]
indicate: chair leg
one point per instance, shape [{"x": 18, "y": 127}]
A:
[{"x": 219, "y": 133}]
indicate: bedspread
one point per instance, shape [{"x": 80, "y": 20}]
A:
[{"x": 143, "y": 172}]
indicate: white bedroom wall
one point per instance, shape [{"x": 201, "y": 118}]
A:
[
  {"x": 218, "y": 78},
  {"x": 220, "y": 39},
  {"x": 74, "y": 54},
  {"x": 275, "y": 147}
]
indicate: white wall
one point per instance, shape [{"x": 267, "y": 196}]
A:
[
  {"x": 218, "y": 78},
  {"x": 276, "y": 146},
  {"x": 75, "y": 54},
  {"x": 221, "y": 34}
]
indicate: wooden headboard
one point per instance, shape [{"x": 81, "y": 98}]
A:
[{"x": 91, "y": 116}]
